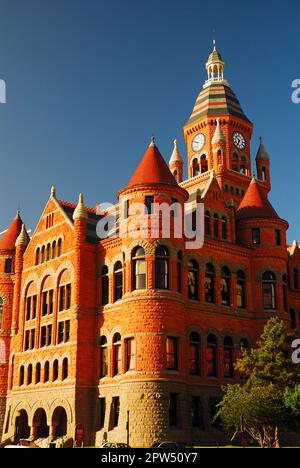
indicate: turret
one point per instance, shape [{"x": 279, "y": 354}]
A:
[
  {"x": 176, "y": 164},
  {"x": 263, "y": 164},
  {"x": 219, "y": 148}
]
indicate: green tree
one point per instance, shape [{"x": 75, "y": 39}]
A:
[{"x": 261, "y": 402}]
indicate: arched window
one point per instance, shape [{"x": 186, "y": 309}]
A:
[
  {"x": 55, "y": 370},
  {"x": 193, "y": 280},
  {"x": 175, "y": 174},
  {"x": 65, "y": 369},
  {"x": 29, "y": 374},
  {"x": 48, "y": 252},
  {"x": 46, "y": 372},
  {"x": 194, "y": 354},
  {"x": 118, "y": 274},
  {"x": 211, "y": 356},
  {"x": 59, "y": 247},
  {"x": 216, "y": 225},
  {"x": 203, "y": 163},
  {"x": 224, "y": 227},
  {"x": 103, "y": 357},
  {"x": 179, "y": 271},
  {"x": 207, "y": 223},
  {"x": 1, "y": 312},
  {"x": 139, "y": 268},
  {"x": 21, "y": 376},
  {"x": 117, "y": 354},
  {"x": 296, "y": 278},
  {"x": 284, "y": 291},
  {"x": 225, "y": 286},
  {"x": 37, "y": 256},
  {"x": 53, "y": 249},
  {"x": 228, "y": 358},
  {"x": 244, "y": 344},
  {"x": 241, "y": 290},
  {"x": 196, "y": 168},
  {"x": 210, "y": 283},
  {"x": 38, "y": 373},
  {"x": 161, "y": 268},
  {"x": 43, "y": 254},
  {"x": 105, "y": 285},
  {"x": 269, "y": 290}
]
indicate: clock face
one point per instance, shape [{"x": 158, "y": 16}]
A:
[
  {"x": 198, "y": 142},
  {"x": 239, "y": 140}
]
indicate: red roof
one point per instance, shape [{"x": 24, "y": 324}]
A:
[
  {"x": 9, "y": 238},
  {"x": 255, "y": 204},
  {"x": 152, "y": 169}
]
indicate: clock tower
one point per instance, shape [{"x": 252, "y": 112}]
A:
[{"x": 218, "y": 133}]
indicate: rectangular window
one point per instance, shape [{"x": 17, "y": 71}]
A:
[
  {"x": 68, "y": 298},
  {"x": 115, "y": 411},
  {"x": 49, "y": 335},
  {"x": 50, "y": 303},
  {"x": 213, "y": 409},
  {"x": 34, "y": 306},
  {"x": 61, "y": 298},
  {"x": 130, "y": 354},
  {"x": 173, "y": 410},
  {"x": 117, "y": 359},
  {"x": 197, "y": 412},
  {"x": 32, "y": 339},
  {"x": 149, "y": 205},
  {"x": 172, "y": 353},
  {"x": 45, "y": 303},
  {"x": 28, "y": 308},
  {"x": 104, "y": 362},
  {"x": 67, "y": 331},
  {"x": 126, "y": 209},
  {"x": 8, "y": 265},
  {"x": 278, "y": 237},
  {"x": 255, "y": 236},
  {"x": 43, "y": 337},
  {"x": 61, "y": 328},
  {"x": 102, "y": 407},
  {"x": 27, "y": 340}
]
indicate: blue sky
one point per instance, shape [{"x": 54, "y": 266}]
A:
[{"x": 88, "y": 81}]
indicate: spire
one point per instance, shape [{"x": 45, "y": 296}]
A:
[
  {"x": 215, "y": 66},
  {"x": 23, "y": 238},
  {"x": 255, "y": 204},
  {"x": 152, "y": 169},
  {"x": 262, "y": 152},
  {"x": 175, "y": 156},
  {"x": 80, "y": 211},
  {"x": 53, "y": 192},
  {"x": 9, "y": 238},
  {"x": 152, "y": 142},
  {"x": 218, "y": 135}
]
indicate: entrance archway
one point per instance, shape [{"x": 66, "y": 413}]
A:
[
  {"x": 22, "y": 429},
  {"x": 40, "y": 423},
  {"x": 60, "y": 422}
]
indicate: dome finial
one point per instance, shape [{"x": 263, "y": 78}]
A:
[
  {"x": 53, "y": 191},
  {"x": 152, "y": 142}
]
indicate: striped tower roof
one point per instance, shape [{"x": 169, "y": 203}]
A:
[{"x": 217, "y": 99}]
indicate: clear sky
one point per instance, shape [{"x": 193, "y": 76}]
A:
[{"x": 88, "y": 81}]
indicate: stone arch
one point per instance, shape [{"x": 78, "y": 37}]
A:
[
  {"x": 67, "y": 265},
  {"x": 264, "y": 269},
  {"x": 60, "y": 402},
  {"x": 105, "y": 262},
  {"x": 33, "y": 278},
  {"x": 43, "y": 405},
  {"x": 40, "y": 421},
  {"x": 192, "y": 256},
  {"x": 162, "y": 242},
  {"x": 114, "y": 331},
  {"x": 49, "y": 272},
  {"x": 140, "y": 243}
]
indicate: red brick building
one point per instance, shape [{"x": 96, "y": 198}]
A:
[{"x": 133, "y": 337}]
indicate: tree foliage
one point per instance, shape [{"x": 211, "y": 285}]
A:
[{"x": 270, "y": 395}]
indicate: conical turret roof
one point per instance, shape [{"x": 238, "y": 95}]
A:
[
  {"x": 152, "y": 169},
  {"x": 255, "y": 204},
  {"x": 8, "y": 240}
]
